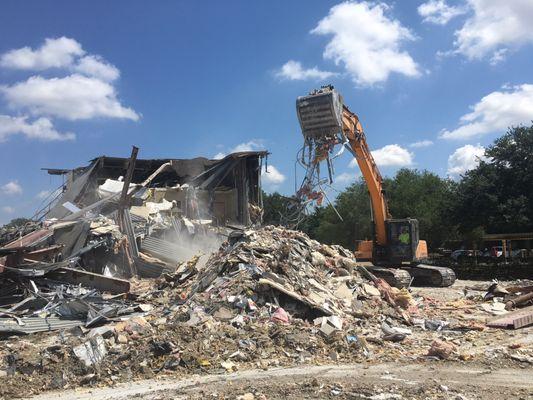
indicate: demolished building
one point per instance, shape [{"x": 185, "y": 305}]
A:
[
  {"x": 119, "y": 218},
  {"x": 224, "y": 189}
]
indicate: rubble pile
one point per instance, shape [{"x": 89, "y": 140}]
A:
[
  {"x": 276, "y": 267},
  {"x": 268, "y": 297}
]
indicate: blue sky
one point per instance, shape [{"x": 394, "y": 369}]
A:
[{"x": 186, "y": 79}]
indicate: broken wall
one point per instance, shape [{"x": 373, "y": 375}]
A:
[{"x": 224, "y": 188}]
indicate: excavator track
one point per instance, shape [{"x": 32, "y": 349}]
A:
[
  {"x": 430, "y": 275},
  {"x": 395, "y": 277}
]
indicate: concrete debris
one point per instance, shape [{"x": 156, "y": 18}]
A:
[
  {"x": 441, "y": 349},
  {"x": 394, "y": 334},
  {"x": 92, "y": 352},
  {"x": 328, "y": 325}
]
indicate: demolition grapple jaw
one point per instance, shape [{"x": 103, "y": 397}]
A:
[{"x": 320, "y": 114}]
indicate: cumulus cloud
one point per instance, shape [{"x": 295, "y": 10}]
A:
[
  {"x": 495, "y": 113},
  {"x": 272, "y": 177},
  {"x": 41, "y": 129},
  {"x": 49, "y": 194},
  {"x": 494, "y": 27},
  {"x": 345, "y": 177},
  {"x": 54, "y": 53},
  {"x": 465, "y": 158},
  {"x": 98, "y": 67},
  {"x": 421, "y": 143},
  {"x": 439, "y": 12},
  {"x": 367, "y": 42},
  {"x": 85, "y": 92},
  {"x": 8, "y": 210},
  {"x": 43, "y": 194},
  {"x": 391, "y": 155},
  {"x": 293, "y": 71},
  {"x": 252, "y": 145},
  {"x": 64, "y": 53},
  {"x": 11, "y": 188},
  {"x": 72, "y": 97}
]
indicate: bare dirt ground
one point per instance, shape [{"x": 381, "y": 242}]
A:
[{"x": 437, "y": 380}]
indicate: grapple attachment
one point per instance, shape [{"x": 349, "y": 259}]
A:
[{"x": 320, "y": 113}]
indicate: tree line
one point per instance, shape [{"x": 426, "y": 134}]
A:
[{"x": 494, "y": 197}]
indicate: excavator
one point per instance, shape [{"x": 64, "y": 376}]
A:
[{"x": 395, "y": 251}]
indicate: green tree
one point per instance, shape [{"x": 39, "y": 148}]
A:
[
  {"x": 426, "y": 197},
  {"x": 497, "y": 196},
  {"x": 275, "y": 206},
  {"x": 353, "y": 204},
  {"x": 16, "y": 222}
]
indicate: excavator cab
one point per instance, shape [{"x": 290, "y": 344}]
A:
[
  {"x": 402, "y": 238},
  {"x": 403, "y": 244}
]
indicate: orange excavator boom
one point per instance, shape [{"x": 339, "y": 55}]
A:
[{"x": 353, "y": 131}]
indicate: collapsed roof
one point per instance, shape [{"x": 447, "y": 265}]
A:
[{"x": 237, "y": 175}]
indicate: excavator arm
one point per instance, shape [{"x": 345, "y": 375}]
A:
[{"x": 358, "y": 146}]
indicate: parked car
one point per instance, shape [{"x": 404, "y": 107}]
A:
[
  {"x": 457, "y": 254},
  {"x": 497, "y": 251}
]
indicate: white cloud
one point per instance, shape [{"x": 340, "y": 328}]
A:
[
  {"x": 494, "y": 27},
  {"x": 421, "y": 143},
  {"x": 495, "y": 112},
  {"x": 498, "y": 56},
  {"x": 272, "y": 177},
  {"x": 438, "y": 12},
  {"x": 345, "y": 177},
  {"x": 391, "y": 155},
  {"x": 293, "y": 70},
  {"x": 49, "y": 194},
  {"x": 8, "y": 210},
  {"x": 465, "y": 158},
  {"x": 64, "y": 53},
  {"x": 54, "y": 53},
  {"x": 73, "y": 97},
  {"x": 84, "y": 94},
  {"x": 43, "y": 194},
  {"x": 11, "y": 188},
  {"x": 366, "y": 42},
  {"x": 252, "y": 145},
  {"x": 41, "y": 129},
  {"x": 96, "y": 66}
]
